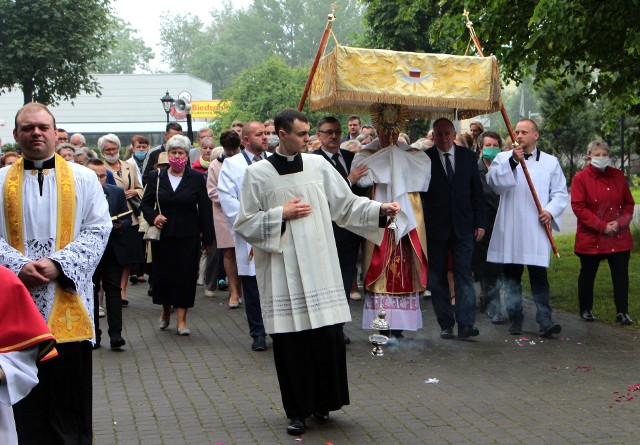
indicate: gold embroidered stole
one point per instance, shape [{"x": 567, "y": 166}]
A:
[{"x": 69, "y": 320}]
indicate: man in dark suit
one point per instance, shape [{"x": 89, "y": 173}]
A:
[
  {"x": 454, "y": 214},
  {"x": 348, "y": 243},
  {"x": 109, "y": 270}
]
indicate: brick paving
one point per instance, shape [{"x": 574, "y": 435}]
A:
[{"x": 210, "y": 388}]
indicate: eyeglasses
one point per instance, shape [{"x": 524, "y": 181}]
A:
[{"x": 330, "y": 132}]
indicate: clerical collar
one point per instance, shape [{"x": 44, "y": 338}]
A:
[
  {"x": 40, "y": 164},
  {"x": 289, "y": 158}
]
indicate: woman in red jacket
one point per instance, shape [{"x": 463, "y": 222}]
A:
[{"x": 602, "y": 202}]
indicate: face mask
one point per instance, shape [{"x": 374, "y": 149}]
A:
[
  {"x": 178, "y": 164},
  {"x": 600, "y": 162},
  {"x": 111, "y": 159},
  {"x": 490, "y": 153},
  {"x": 140, "y": 155}
]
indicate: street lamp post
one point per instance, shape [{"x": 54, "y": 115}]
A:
[{"x": 167, "y": 103}]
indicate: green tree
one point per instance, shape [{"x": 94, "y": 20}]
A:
[
  {"x": 180, "y": 35},
  {"x": 591, "y": 44},
  {"x": 261, "y": 92},
  {"x": 237, "y": 39},
  {"x": 567, "y": 135},
  {"x": 403, "y": 25},
  {"x": 51, "y": 47},
  {"x": 127, "y": 53}
]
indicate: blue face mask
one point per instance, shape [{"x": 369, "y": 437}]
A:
[{"x": 140, "y": 155}]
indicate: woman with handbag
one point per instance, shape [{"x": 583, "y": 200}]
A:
[
  {"x": 175, "y": 201},
  {"x": 126, "y": 177}
]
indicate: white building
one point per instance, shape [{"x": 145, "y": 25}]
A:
[{"x": 129, "y": 104}]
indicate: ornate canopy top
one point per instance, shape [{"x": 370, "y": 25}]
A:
[{"x": 349, "y": 80}]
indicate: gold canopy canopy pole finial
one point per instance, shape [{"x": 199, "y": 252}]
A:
[
  {"x": 505, "y": 116},
  {"x": 323, "y": 43}
]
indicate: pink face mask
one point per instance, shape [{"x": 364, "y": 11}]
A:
[{"x": 177, "y": 164}]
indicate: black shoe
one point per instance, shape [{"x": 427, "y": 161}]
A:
[
  {"x": 295, "y": 427},
  {"x": 497, "y": 318},
  {"x": 624, "y": 319},
  {"x": 117, "y": 342},
  {"x": 467, "y": 331},
  {"x": 321, "y": 416},
  {"x": 447, "y": 334},
  {"x": 397, "y": 334},
  {"x": 553, "y": 328},
  {"x": 587, "y": 316},
  {"x": 133, "y": 280},
  {"x": 259, "y": 344},
  {"x": 347, "y": 340},
  {"x": 515, "y": 328}
]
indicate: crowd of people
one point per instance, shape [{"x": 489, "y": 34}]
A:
[{"x": 408, "y": 220}]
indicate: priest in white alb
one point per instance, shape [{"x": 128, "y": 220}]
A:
[
  {"x": 396, "y": 271},
  {"x": 286, "y": 208},
  {"x": 54, "y": 226}
]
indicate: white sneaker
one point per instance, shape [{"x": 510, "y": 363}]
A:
[
  {"x": 101, "y": 312},
  {"x": 209, "y": 293},
  {"x": 356, "y": 296}
]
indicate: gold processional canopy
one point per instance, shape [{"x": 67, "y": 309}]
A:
[{"x": 348, "y": 80}]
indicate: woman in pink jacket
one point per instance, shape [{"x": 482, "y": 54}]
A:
[{"x": 602, "y": 202}]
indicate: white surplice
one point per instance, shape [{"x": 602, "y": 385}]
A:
[
  {"x": 80, "y": 257},
  {"x": 229, "y": 185},
  {"x": 298, "y": 271},
  {"x": 518, "y": 237},
  {"x": 22, "y": 375}
]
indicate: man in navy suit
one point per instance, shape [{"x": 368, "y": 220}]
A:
[
  {"x": 454, "y": 215},
  {"x": 109, "y": 270},
  {"x": 347, "y": 243}
]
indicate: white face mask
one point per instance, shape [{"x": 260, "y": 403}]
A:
[
  {"x": 600, "y": 162},
  {"x": 111, "y": 159}
]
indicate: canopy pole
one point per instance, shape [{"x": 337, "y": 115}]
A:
[{"x": 323, "y": 43}]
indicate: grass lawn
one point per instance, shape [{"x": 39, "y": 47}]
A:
[
  {"x": 563, "y": 279},
  {"x": 635, "y": 192}
]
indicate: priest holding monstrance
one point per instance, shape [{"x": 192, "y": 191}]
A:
[
  {"x": 396, "y": 270},
  {"x": 54, "y": 226}
]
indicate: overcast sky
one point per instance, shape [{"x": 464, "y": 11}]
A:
[{"x": 144, "y": 16}]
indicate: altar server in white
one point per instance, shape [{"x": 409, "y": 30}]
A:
[
  {"x": 54, "y": 226},
  {"x": 519, "y": 237},
  {"x": 286, "y": 208}
]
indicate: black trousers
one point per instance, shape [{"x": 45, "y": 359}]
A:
[
  {"x": 348, "y": 249},
  {"x": 108, "y": 274},
  {"x": 619, "y": 266},
  {"x": 252, "y": 305},
  {"x": 58, "y": 410},
  {"x": 312, "y": 370}
]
